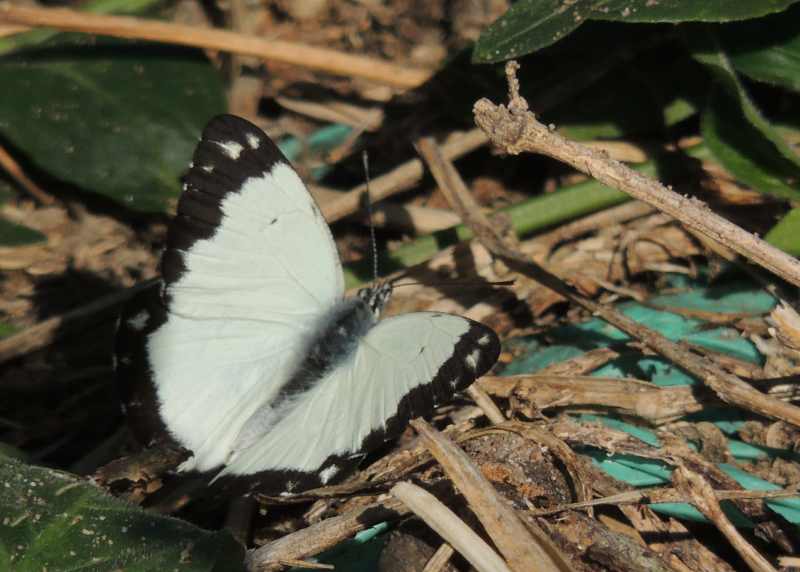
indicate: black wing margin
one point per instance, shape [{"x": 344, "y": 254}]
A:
[{"x": 230, "y": 151}]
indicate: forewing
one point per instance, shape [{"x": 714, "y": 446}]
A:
[
  {"x": 248, "y": 269},
  {"x": 248, "y": 241},
  {"x": 402, "y": 369}
]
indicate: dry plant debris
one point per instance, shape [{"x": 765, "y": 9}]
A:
[{"x": 508, "y": 484}]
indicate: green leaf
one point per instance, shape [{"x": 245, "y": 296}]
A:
[
  {"x": 708, "y": 51},
  {"x": 530, "y": 25},
  {"x": 786, "y": 234},
  {"x": 109, "y": 116},
  {"x": 55, "y": 521},
  {"x": 766, "y": 49},
  {"x": 12, "y": 234},
  {"x": 744, "y": 151}
]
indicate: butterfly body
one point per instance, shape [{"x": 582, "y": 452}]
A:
[{"x": 251, "y": 357}]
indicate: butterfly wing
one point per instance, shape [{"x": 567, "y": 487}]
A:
[
  {"x": 249, "y": 267},
  {"x": 403, "y": 368}
]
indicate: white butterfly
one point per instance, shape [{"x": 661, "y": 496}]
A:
[{"x": 250, "y": 356}]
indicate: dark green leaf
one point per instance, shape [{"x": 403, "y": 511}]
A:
[
  {"x": 12, "y": 234},
  {"x": 744, "y": 151},
  {"x": 786, "y": 234},
  {"x": 109, "y": 116},
  {"x": 55, "y": 521},
  {"x": 530, "y": 25},
  {"x": 766, "y": 49},
  {"x": 708, "y": 51}
]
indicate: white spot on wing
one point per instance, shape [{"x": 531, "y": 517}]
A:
[
  {"x": 484, "y": 340},
  {"x": 327, "y": 474},
  {"x": 139, "y": 321},
  {"x": 471, "y": 360},
  {"x": 231, "y": 148},
  {"x": 208, "y": 168},
  {"x": 253, "y": 140}
]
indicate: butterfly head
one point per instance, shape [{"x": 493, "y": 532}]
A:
[{"x": 376, "y": 296}]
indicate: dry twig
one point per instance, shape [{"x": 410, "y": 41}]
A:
[
  {"x": 450, "y": 527},
  {"x": 731, "y": 389},
  {"x": 439, "y": 559},
  {"x": 656, "y": 404},
  {"x": 13, "y": 168},
  {"x": 515, "y": 129},
  {"x": 293, "y": 53},
  {"x": 702, "y": 494},
  {"x": 522, "y": 549},
  {"x": 321, "y": 536}
]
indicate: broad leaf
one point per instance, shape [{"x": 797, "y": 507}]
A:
[
  {"x": 13, "y": 234},
  {"x": 767, "y": 49},
  {"x": 109, "y": 116},
  {"x": 530, "y": 25},
  {"x": 708, "y": 51},
  {"x": 55, "y": 521},
  {"x": 744, "y": 151}
]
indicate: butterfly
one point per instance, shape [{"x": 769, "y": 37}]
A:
[{"x": 250, "y": 356}]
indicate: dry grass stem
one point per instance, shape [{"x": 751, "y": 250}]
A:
[
  {"x": 301, "y": 55},
  {"x": 439, "y": 559},
  {"x": 10, "y": 166},
  {"x": 657, "y": 405},
  {"x": 321, "y": 536},
  {"x": 413, "y": 219},
  {"x": 400, "y": 178},
  {"x": 702, "y": 494},
  {"x": 522, "y": 550},
  {"x": 659, "y": 495},
  {"x": 515, "y": 129},
  {"x": 359, "y": 117},
  {"x": 307, "y": 565},
  {"x": 451, "y": 528},
  {"x": 482, "y": 400}
]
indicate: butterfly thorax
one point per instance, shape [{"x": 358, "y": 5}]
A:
[{"x": 337, "y": 335}]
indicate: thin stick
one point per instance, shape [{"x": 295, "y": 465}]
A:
[
  {"x": 489, "y": 407},
  {"x": 522, "y": 549},
  {"x": 13, "y": 168},
  {"x": 401, "y": 178},
  {"x": 322, "y": 535},
  {"x": 728, "y": 387},
  {"x": 702, "y": 494},
  {"x": 439, "y": 559},
  {"x": 439, "y": 167},
  {"x": 307, "y": 565},
  {"x": 661, "y": 495},
  {"x": 447, "y": 525},
  {"x": 293, "y": 53},
  {"x": 515, "y": 129}
]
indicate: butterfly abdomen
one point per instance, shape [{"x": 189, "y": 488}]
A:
[{"x": 335, "y": 338}]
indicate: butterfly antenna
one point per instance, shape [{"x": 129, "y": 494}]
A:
[{"x": 365, "y": 160}]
